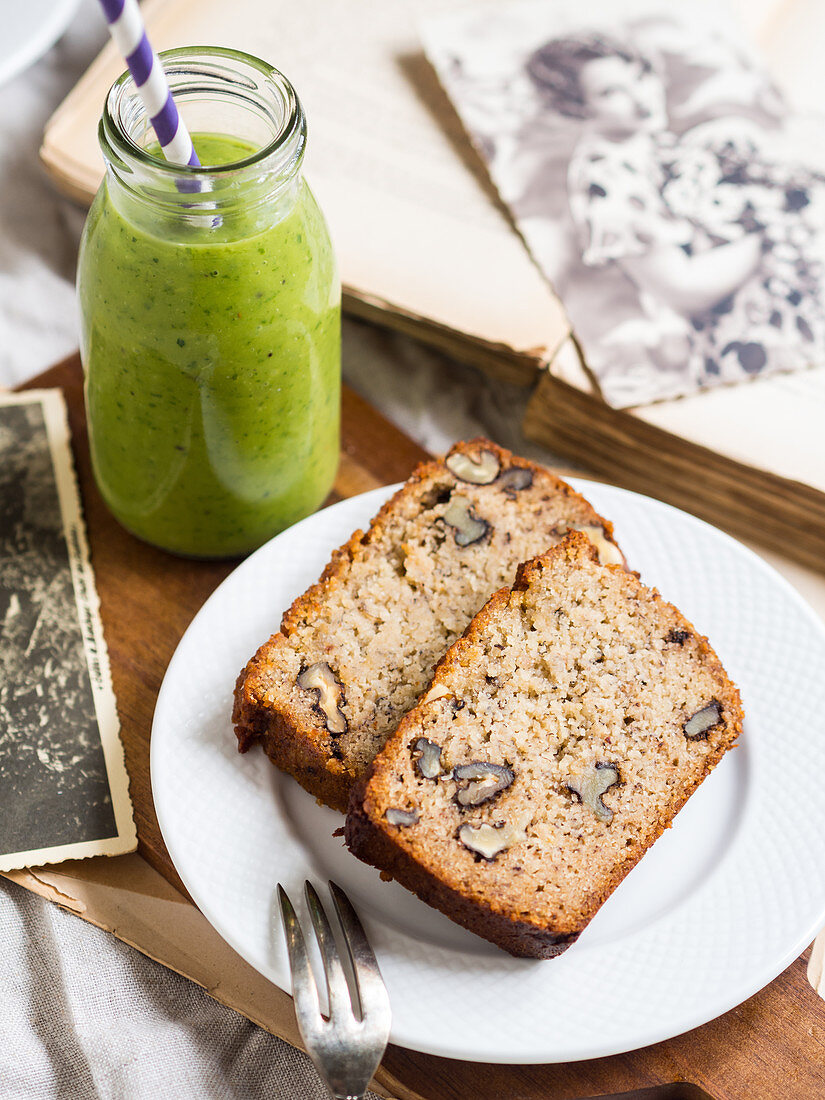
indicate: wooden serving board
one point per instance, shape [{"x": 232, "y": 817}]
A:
[{"x": 772, "y": 1047}]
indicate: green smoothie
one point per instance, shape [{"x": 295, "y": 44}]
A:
[{"x": 212, "y": 360}]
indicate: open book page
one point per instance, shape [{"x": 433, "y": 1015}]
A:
[
  {"x": 772, "y": 424},
  {"x": 414, "y": 218}
]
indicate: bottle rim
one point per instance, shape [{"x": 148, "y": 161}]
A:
[{"x": 218, "y": 64}]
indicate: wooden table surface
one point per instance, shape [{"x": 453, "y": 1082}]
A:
[{"x": 772, "y": 1047}]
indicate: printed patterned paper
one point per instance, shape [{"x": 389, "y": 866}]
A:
[{"x": 660, "y": 181}]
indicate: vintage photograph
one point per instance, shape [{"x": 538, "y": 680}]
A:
[
  {"x": 58, "y": 797},
  {"x": 650, "y": 169}
]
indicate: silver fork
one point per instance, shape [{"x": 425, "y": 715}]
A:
[{"x": 347, "y": 1045}]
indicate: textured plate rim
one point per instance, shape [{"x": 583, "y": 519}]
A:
[{"x": 433, "y": 1044}]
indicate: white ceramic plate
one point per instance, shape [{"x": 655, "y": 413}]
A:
[
  {"x": 30, "y": 28},
  {"x": 720, "y": 905}
]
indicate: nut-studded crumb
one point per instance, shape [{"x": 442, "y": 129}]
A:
[
  {"x": 390, "y": 603},
  {"x": 570, "y": 684}
]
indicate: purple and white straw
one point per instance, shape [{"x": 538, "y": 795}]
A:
[{"x": 129, "y": 35}]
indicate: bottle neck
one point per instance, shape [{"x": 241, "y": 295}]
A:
[{"x": 218, "y": 92}]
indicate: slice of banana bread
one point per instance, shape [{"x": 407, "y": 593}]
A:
[
  {"x": 358, "y": 648},
  {"x": 558, "y": 739}
]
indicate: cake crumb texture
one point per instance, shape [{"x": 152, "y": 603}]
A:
[
  {"x": 559, "y": 738},
  {"x": 357, "y": 649}
]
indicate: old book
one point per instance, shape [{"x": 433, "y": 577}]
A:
[{"x": 426, "y": 247}]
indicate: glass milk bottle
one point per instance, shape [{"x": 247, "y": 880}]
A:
[{"x": 210, "y": 315}]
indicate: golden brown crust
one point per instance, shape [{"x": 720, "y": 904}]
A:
[
  {"x": 283, "y": 741},
  {"x": 370, "y": 837},
  {"x": 299, "y": 744},
  {"x": 373, "y": 845},
  {"x": 282, "y": 734}
]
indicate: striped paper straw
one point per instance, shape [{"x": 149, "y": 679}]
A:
[{"x": 129, "y": 34}]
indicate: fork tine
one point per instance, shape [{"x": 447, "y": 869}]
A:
[
  {"x": 337, "y": 988},
  {"x": 304, "y": 990},
  {"x": 372, "y": 992}
]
